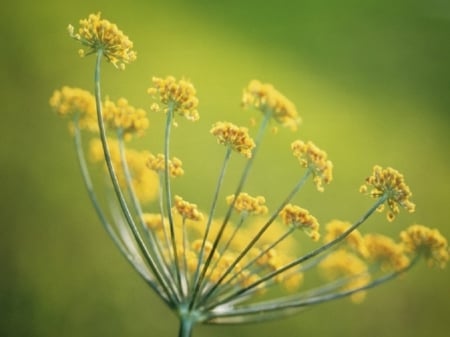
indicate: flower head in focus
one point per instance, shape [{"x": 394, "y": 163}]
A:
[
  {"x": 237, "y": 138},
  {"x": 315, "y": 159},
  {"x": 179, "y": 96},
  {"x": 390, "y": 184},
  {"x": 98, "y": 34}
]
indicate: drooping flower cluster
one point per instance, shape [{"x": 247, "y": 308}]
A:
[{"x": 214, "y": 268}]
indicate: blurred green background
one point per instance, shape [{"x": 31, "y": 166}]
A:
[{"x": 372, "y": 83}]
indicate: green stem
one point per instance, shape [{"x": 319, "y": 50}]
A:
[
  {"x": 253, "y": 241},
  {"x": 301, "y": 259},
  {"x": 168, "y": 190},
  {"x": 258, "y": 139},
  {"x": 115, "y": 181},
  {"x": 284, "y": 308},
  {"x": 153, "y": 243},
  {"x": 211, "y": 212},
  {"x": 186, "y": 325},
  {"x": 102, "y": 216}
]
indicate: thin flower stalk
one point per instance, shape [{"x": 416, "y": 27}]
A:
[
  {"x": 303, "y": 258},
  {"x": 153, "y": 244},
  {"x": 132, "y": 258},
  {"x": 244, "y": 252},
  {"x": 114, "y": 180},
  {"x": 167, "y": 189},
  {"x": 224, "y": 166},
  {"x": 245, "y": 173}
]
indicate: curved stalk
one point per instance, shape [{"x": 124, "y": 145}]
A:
[
  {"x": 115, "y": 180},
  {"x": 154, "y": 244},
  {"x": 276, "y": 309}
]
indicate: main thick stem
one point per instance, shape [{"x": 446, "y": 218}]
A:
[{"x": 186, "y": 325}]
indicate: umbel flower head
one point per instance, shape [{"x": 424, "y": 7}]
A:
[
  {"x": 98, "y": 34},
  {"x": 242, "y": 265}
]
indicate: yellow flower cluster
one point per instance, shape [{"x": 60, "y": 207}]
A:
[
  {"x": 388, "y": 182},
  {"x": 373, "y": 248},
  {"x": 268, "y": 100},
  {"x": 187, "y": 210},
  {"x": 342, "y": 263},
  {"x": 144, "y": 181},
  {"x": 300, "y": 218},
  {"x": 153, "y": 221},
  {"x": 388, "y": 254},
  {"x": 179, "y": 96},
  {"x": 124, "y": 117},
  {"x": 78, "y": 103},
  {"x": 385, "y": 251},
  {"x": 234, "y": 136},
  {"x": 429, "y": 242},
  {"x": 247, "y": 204},
  {"x": 157, "y": 164},
  {"x": 101, "y": 35},
  {"x": 354, "y": 240},
  {"x": 315, "y": 159}
]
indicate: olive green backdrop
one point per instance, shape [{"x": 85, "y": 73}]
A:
[{"x": 371, "y": 81}]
